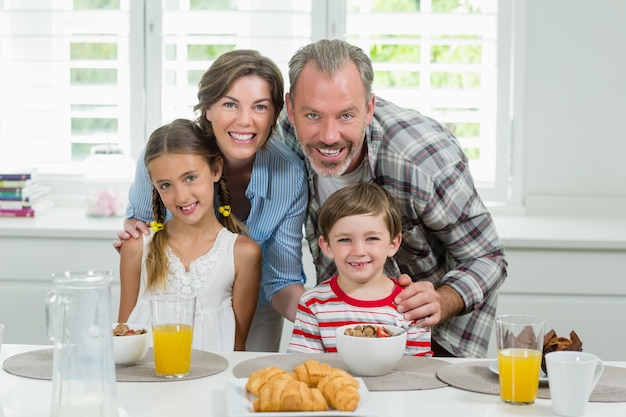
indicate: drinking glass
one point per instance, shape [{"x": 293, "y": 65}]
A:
[
  {"x": 172, "y": 333},
  {"x": 520, "y": 347}
]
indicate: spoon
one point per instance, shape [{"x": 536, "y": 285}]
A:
[{"x": 417, "y": 323}]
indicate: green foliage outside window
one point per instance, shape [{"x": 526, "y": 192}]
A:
[
  {"x": 455, "y": 80},
  {"x": 447, "y": 6},
  {"x": 93, "y": 76},
  {"x": 204, "y": 53},
  {"x": 93, "y": 51},
  {"x": 96, "y": 4},
  {"x": 80, "y": 151},
  {"x": 403, "y": 53},
  {"x": 468, "y": 130},
  {"x": 472, "y": 153},
  {"x": 89, "y": 126},
  {"x": 196, "y": 52},
  {"x": 456, "y": 54},
  {"x": 437, "y": 6},
  {"x": 213, "y": 4},
  {"x": 388, "y": 6},
  {"x": 86, "y": 125},
  {"x": 394, "y": 53},
  {"x": 194, "y": 77},
  {"x": 399, "y": 79}
]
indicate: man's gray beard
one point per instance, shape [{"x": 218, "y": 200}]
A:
[{"x": 320, "y": 170}]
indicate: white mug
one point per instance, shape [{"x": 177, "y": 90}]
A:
[{"x": 572, "y": 376}]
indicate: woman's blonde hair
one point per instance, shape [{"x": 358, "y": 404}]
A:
[{"x": 181, "y": 136}]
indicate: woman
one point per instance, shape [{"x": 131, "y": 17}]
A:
[{"x": 239, "y": 99}]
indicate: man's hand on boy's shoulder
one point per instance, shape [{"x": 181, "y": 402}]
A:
[{"x": 420, "y": 299}]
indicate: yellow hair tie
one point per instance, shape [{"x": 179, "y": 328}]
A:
[
  {"x": 224, "y": 210},
  {"x": 156, "y": 226}
]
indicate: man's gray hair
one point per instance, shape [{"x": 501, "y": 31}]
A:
[{"x": 330, "y": 56}]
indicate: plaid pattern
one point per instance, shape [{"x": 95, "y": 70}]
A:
[{"x": 448, "y": 233}]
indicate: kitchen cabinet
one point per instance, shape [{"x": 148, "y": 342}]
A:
[{"x": 31, "y": 249}]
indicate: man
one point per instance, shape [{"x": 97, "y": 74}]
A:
[{"x": 450, "y": 248}]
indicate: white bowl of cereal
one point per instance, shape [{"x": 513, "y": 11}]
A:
[
  {"x": 130, "y": 343},
  {"x": 365, "y": 353}
]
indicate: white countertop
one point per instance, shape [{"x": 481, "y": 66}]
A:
[
  {"x": 62, "y": 222},
  {"x": 205, "y": 397},
  {"x": 516, "y": 231},
  {"x": 562, "y": 232}
]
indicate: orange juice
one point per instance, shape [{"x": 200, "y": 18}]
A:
[
  {"x": 172, "y": 349},
  {"x": 519, "y": 374}
]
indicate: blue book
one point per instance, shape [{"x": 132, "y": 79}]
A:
[
  {"x": 28, "y": 194},
  {"x": 16, "y": 174}
]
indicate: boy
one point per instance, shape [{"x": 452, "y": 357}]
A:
[{"x": 361, "y": 228}]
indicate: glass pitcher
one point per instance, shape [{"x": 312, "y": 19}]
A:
[{"x": 79, "y": 322}]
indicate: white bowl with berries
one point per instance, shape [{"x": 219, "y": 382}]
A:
[
  {"x": 130, "y": 343},
  {"x": 370, "y": 349}
]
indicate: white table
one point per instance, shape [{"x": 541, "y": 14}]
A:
[{"x": 205, "y": 397}]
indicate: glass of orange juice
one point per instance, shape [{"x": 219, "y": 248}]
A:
[
  {"x": 172, "y": 334},
  {"x": 520, "y": 347}
]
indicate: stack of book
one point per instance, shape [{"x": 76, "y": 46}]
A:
[{"x": 21, "y": 195}]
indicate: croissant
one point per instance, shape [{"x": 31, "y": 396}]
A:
[
  {"x": 259, "y": 378},
  {"x": 288, "y": 394},
  {"x": 311, "y": 372},
  {"x": 340, "y": 389}
]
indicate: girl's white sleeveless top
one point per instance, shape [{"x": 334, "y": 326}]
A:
[{"x": 210, "y": 278}]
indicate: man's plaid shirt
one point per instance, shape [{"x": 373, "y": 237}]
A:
[{"x": 448, "y": 235}]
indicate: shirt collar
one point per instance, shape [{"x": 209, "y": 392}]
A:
[{"x": 259, "y": 180}]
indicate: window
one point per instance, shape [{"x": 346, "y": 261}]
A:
[
  {"x": 78, "y": 73},
  {"x": 194, "y": 33},
  {"x": 64, "y": 74},
  {"x": 439, "y": 57}
]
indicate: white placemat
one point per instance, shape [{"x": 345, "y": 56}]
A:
[
  {"x": 411, "y": 373},
  {"x": 38, "y": 364}
]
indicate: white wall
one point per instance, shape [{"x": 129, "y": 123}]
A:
[{"x": 572, "y": 134}]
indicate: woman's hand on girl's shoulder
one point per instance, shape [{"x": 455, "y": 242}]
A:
[
  {"x": 133, "y": 229},
  {"x": 132, "y": 246}
]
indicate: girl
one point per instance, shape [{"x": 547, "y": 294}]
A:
[{"x": 194, "y": 253}]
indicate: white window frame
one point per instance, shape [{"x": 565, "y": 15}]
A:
[
  {"x": 502, "y": 190},
  {"x": 328, "y": 21}
]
